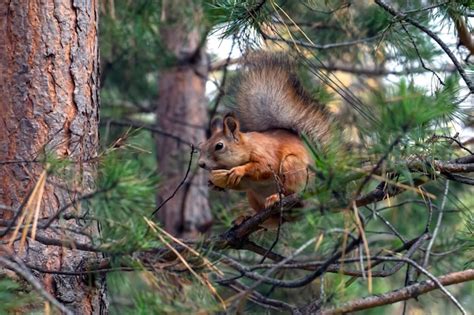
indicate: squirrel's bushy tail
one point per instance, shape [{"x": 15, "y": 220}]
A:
[{"x": 271, "y": 96}]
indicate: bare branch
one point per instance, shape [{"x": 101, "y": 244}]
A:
[
  {"x": 438, "y": 224},
  {"x": 141, "y": 125},
  {"x": 427, "y": 8},
  {"x": 259, "y": 298},
  {"x": 323, "y": 47},
  {"x": 402, "y": 294},
  {"x": 179, "y": 185}
]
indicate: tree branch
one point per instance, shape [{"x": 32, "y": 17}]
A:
[
  {"x": 325, "y": 46},
  {"x": 402, "y": 294},
  {"x": 141, "y": 125}
]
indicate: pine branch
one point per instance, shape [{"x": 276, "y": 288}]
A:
[
  {"x": 325, "y": 46},
  {"x": 403, "y": 16}
]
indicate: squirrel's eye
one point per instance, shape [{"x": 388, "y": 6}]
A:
[{"x": 219, "y": 146}]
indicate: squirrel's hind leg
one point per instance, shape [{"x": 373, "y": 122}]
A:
[{"x": 294, "y": 175}]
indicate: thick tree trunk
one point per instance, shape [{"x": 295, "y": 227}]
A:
[
  {"x": 49, "y": 104},
  {"x": 182, "y": 112}
]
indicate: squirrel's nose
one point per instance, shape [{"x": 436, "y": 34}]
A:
[{"x": 202, "y": 164}]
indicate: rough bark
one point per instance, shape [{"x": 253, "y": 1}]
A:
[
  {"x": 182, "y": 111},
  {"x": 49, "y": 104}
]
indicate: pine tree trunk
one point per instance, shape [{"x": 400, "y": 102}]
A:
[
  {"x": 49, "y": 105},
  {"x": 182, "y": 112}
]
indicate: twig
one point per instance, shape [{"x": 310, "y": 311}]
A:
[
  {"x": 378, "y": 71},
  {"x": 376, "y": 167},
  {"x": 322, "y": 47},
  {"x": 460, "y": 165},
  {"x": 222, "y": 64},
  {"x": 259, "y": 298},
  {"x": 223, "y": 81},
  {"x": 459, "y": 178},
  {"x": 429, "y": 205},
  {"x": 291, "y": 283},
  {"x": 452, "y": 139},
  {"x": 279, "y": 185},
  {"x": 412, "y": 247},
  {"x": 294, "y": 254},
  {"x": 70, "y": 244},
  {"x": 17, "y": 214},
  {"x": 388, "y": 224},
  {"x": 433, "y": 278},
  {"x": 340, "y": 7},
  {"x": 179, "y": 185},
  {"x": 430, "y": 7},
  {"x": 251, "y": 246},
  {"x": 438, "y": 224},
  {"x": 248, "y": 271},
  {"x": 419, "y": 55},
  {"x": 140, "y": 125},
  {"x": 73, "y": 202}
]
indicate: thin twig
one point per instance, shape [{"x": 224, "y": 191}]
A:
[
  {"x": 438, "y": 224},
  {"x": 432, "y": 278},
  {"x": 388, "y": 224},
  {"x": 419, "y": 54},
  {"x": 144, "y": 126},
  {"x": 258, "y": 298},
  {"x": 280, "y": 219},
  {"x": 430, "y": 7},
  {"x": 223, "y": 81},
  {"x": 179, "y": 185},
  {"x": 325, "y": 46},
  {"x": 452, "y": 139}
]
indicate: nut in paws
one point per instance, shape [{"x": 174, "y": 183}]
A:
[{"x": 219, "y": 178}]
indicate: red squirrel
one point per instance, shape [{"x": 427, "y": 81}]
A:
[{"x": 259, "y": 150}]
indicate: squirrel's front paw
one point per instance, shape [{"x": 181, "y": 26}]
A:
[
  {"x": 219, "y": 178},
  {"x": 235, "y": 176}
]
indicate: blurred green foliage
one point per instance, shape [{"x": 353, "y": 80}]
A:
[{"x": 14, "y": 297}]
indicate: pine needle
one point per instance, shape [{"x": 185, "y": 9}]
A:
[
  {"x": 397, "y": 184},
  {"x": 192, "y": 250},
  {"x": 366, "y": 246},
  {"x": 30, "y": 213},
  {"x": 203, "y": 280}
]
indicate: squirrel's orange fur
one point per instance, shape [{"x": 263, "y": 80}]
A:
[{"x": 267, "y": 158}]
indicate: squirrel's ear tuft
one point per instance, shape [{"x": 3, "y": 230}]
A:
[
  {"x": 231, "y": 127},
  {"x": 216, "y": 125}
]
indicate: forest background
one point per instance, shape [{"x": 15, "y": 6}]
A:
[{"x": 134, "y": 227}]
